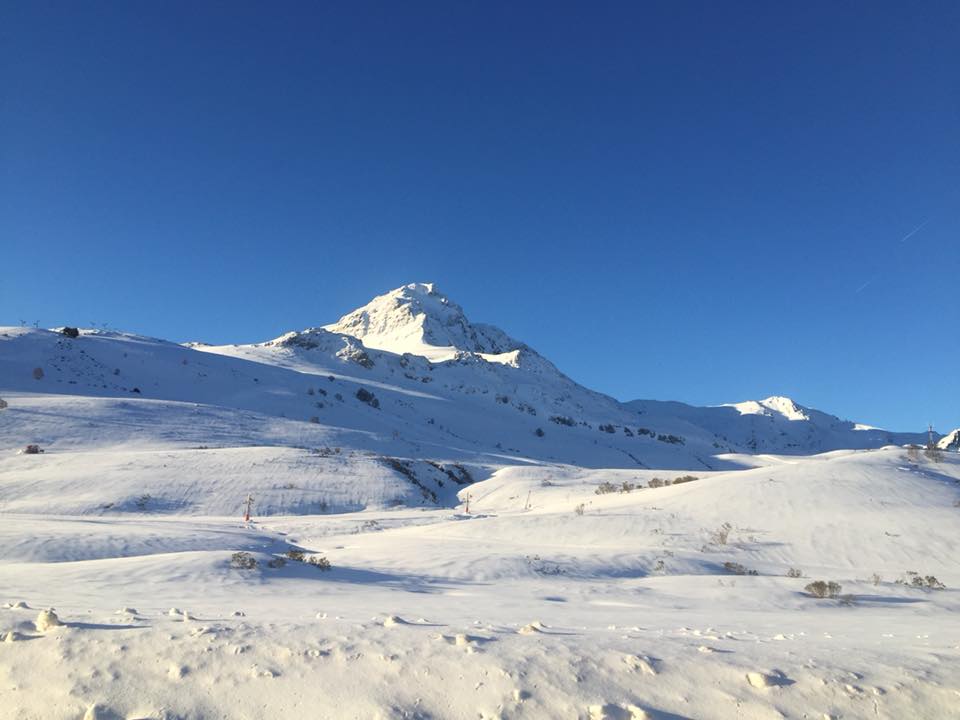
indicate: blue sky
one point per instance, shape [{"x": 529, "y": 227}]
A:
[{"x": 681, "y": 200}]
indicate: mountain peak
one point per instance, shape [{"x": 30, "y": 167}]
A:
[
  {"x": 417, "y": 318},
  {"x": 772, "y": 406}
]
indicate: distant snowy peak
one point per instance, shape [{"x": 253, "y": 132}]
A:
[
  {"x": 772, "y": 406},
  {"x": 950, "y": 441},
  {"x": 418, "y": 319}
]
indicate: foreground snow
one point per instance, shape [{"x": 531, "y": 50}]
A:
[{"x": 524, "y": 608}]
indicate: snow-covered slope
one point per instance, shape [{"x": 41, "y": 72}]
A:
[
  {"x": 773, "y": 425},
  {"x": 547, "y": 601}
]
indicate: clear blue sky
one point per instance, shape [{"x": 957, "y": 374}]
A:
[{"x": 681, "y": 200}]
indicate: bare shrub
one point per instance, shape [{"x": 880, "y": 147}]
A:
[
  {"x": 656, "y": 482},
  {"x": 277, "y": 562},
  {"x": 684, "y": 479},
  {"x": 579, "y": 509},
  {"x": 295, "y": 555},
  {"x": 721, "y": 535},
  {"x": 38, "y": 373},
  {"x": 243, "y": 561},
  {"x": 320, "y": 562},
  {"x": 824, "y": 589},
  {"x": 605, "y": 488},
  {"x": 795, "y": 573}
]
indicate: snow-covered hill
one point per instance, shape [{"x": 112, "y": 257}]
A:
[{"x": 504, "y": 542}]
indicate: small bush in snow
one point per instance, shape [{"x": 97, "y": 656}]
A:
[
  {"x": 562, "y": 420},
  {"x": 320, "y": 562},
  {"x": 934, "y": 454},
  {"x": 38, "y": 373},
  {"x": 311, "y": 391},
  {"x": 721, "y": 535},
  {"x": 604, "y": 488},
  {"x": 626, "y": 487},
  {"x": 684, "y": 479},
  {"x": 142, "y": 502},
  {"x": 823, "y": 589},
  {"x": 296, "y": 555},
  {"x": 738, "y": 569},
  {"x": 277, "y": 562},
  {"x": 795, "y": 573},
  {"x": 32, "y": 450},
  {"x": 3, "y": 404},
  {"x": 608, "y": 428},
  {"x": 71, "y": 332},
  {"x": 656, "y": 482},
  {"x": 243, "y": 561},
  {"x": 367, "y": 397},
  {"x": 539, "y": 432},
  {"x": 579, "y": 509},
  {"x": 876, "y": 579}
]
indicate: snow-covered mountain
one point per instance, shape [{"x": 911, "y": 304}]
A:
[
  {"x": 950, "y": 441},
  {"x": 774, "y": 425},
  {"x": 409, "y": 375},
  {"x": 419, "y": 320}
]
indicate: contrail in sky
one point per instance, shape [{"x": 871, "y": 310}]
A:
[
  {"x": 864, "y": 286},
  {"x": 913, "y": 232}
]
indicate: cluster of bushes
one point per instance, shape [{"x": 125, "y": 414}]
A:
[
  {"x": 365, "y": 396},
  {"x": 663, "y": 482},
  {"x": 916, "y": 580},
  {"x": 605, "y": 488},
  {"x": 562, "y": 420},
  {"x": 738, "y": 569},
  {"x": 246, "y": 561}
]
